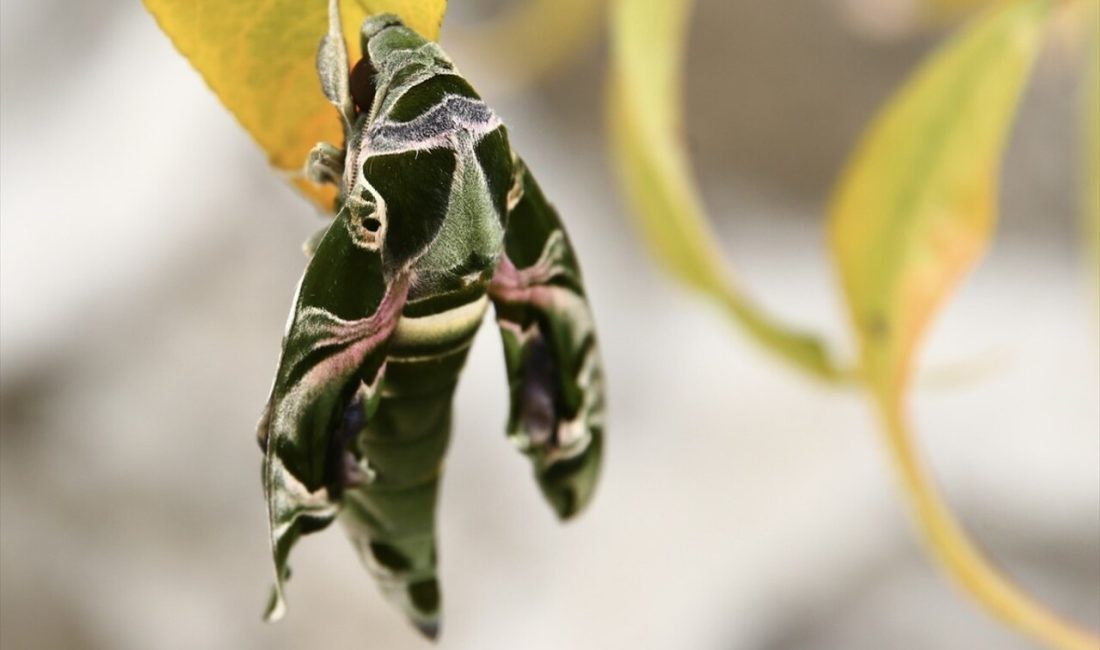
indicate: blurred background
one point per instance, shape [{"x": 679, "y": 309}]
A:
[{"x": 148, "y": 257}]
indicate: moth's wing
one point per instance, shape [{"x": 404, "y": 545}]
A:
[
  {"x": 554, "y": 370},
  {"x": 343, "y": 317}
]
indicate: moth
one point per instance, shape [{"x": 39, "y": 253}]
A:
[{"x": 436, "y": 218}]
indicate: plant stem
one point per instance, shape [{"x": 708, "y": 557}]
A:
[{"x": 962, "y": 559}]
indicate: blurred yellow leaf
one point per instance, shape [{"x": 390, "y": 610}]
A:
[
  {"x": 521, "y": 29},
  {"x": 258, "y": 57},
  {"x": 912, "y": 213},
  {"x": 943, "y": 10},
  {"x": 645, "y": 122},
  {"x": 915, "y": 207},
  {"x": 1090, "y": 180}
]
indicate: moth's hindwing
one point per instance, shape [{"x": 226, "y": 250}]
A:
[{"x": 554, "y": 370}]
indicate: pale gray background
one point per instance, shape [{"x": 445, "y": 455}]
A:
[{"x": 148, "y": 256}]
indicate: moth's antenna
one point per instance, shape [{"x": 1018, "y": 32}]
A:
[{"x": 332, "y": 67}]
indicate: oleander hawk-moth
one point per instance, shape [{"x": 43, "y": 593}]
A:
[{"x": 435, "y": 218}]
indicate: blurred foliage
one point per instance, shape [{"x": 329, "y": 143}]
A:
[
  {"x": 646, "y": 131},
  {"x": 910, "y": 216},
  {"x": 941, "y": 10},
  {"x": 912, "y": 213},
  {"x": 1090, "y": 156},
  {"x": 915, "y": 207},
  {"x": 521, "y": 29},
  {"x": 258, "y": 57}
]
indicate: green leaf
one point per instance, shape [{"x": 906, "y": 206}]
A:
[
  {"x": 645, "y": 122},
  {"x": 912, "y": 213},
  {"x": 259, "y": 56}
]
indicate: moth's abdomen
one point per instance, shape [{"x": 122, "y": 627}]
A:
[{"x": 390, "y": 513}]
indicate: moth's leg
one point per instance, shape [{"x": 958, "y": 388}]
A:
[
  {"x": 309, "y": 246},
  {"x": 390, "y": 515},
  {"x": 340, "y": 326},
  {"x": 554, "y": 371},
  {"x": 325, "y": 164},
  {"x": 332, "y": 67}
]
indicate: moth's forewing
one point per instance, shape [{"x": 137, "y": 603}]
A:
[{"x": 335, "y": 341}]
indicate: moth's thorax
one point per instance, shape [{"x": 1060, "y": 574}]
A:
[
  {"x": 428, "y": 169},
  {"x": 470, "y": 240},
  {"x": 402, "y": 59}
]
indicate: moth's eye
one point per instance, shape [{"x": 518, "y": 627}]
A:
[{"x": 363, "y": 84}]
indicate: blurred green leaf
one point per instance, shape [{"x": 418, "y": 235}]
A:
[
  {"x": 912, "y": 213},
  {"x": 258, "y": 57},
  {"x": 646, "y": 130}
]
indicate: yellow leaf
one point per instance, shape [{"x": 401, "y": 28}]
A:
[
  {"x": 912, "y": 213},
  {"x": 645, "y": 122},
  {"x": 258, "y": 57}
]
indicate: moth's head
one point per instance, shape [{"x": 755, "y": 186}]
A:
[
  {"x": 394, "y": 55},
  {"x": 384, "y": 34}
]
